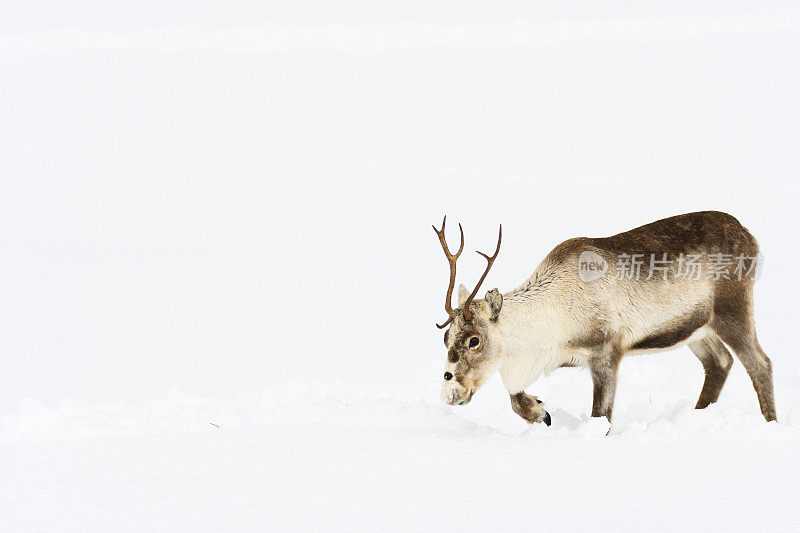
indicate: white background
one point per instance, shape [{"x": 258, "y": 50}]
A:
[{"x": 201, "y": 200}]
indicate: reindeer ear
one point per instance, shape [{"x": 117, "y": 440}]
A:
[
  {"x": 495, "y": 301},
  {"x": 463, "y": 294}
]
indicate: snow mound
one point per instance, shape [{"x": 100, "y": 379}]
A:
[{"x": 413, "y": 408}]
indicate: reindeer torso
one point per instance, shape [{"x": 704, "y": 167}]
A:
[{"x": 557, "y": 319}]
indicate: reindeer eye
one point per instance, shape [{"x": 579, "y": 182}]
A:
[
  {"x": 448, "y": 376},
  {"x": 473, "y": 342}
]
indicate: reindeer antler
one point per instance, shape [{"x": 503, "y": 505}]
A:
[
  {"x": 448, "y": 306},
  {"x": 490, "y": 261},
  {"x": 452, "y": 260}
]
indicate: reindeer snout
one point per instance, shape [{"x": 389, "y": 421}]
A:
[
  {"x": 451, "y": 398},
  {"x": 454, "y": 397}
]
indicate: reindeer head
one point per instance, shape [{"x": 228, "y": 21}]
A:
[{"x": 473, "y": 352}]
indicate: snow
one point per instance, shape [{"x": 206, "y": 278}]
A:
[
  {"x": 344, "y": 455},
  {"x": 219, "y": 283}
]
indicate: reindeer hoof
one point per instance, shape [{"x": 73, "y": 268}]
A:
[{"x": 530, "y": 408}]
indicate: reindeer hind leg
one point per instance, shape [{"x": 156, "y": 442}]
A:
[
  {"x": 733, "y": 322},
  {"x": 717, "y": 362}
]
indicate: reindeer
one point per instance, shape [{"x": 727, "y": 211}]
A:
[{"x": 583, "y": 307}]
